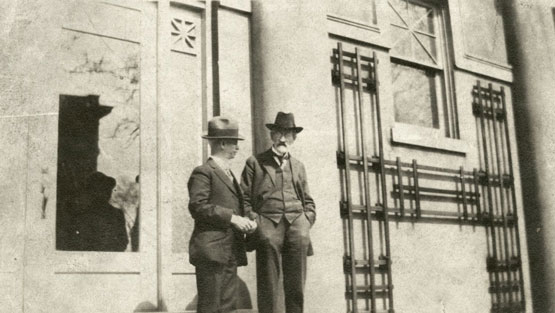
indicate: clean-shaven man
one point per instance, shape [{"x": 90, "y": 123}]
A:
[{"x": 217, "y": 243}]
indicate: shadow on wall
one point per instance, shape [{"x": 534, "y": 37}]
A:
[{"x": 243, "y": 303}]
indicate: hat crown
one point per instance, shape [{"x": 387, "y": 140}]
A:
[
  {"x": 223, "y": 127},
  {"x": 285, "y": 121}
]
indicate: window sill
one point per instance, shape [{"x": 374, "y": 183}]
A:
[{"x": 427, "y": 138}]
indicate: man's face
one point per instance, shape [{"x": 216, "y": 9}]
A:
[
  {"x": 230, "y": 148},
  {"x": 282, "y": 139}
]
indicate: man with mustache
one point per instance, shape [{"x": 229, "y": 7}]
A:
[
  {"x": 276, "y": 196},
  {"x": 217, "y": 244}
]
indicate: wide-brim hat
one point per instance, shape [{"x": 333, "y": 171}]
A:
[
  {"x": 98, "y": 182},
  {"x": 284, "y": 121},
  {"x": 222, "y": 128}
]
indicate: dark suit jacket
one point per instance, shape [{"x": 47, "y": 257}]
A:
[
  {"x": 259, "y": 177},
  {"x": 213, "y": 198}
]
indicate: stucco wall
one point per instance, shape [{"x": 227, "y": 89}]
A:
[{"x": 277, "y": 59}]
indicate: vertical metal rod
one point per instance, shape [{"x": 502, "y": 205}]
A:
[
  {"x": 477, "y": 194},
  {"x": 416, "y": 188},
  {"x": 347, "y": 179},
  {"x": 463, "y": 191},
  {"x": 215, "y": 7},
  {"x": 366, "y": 184},
  {"x": 383, "y": 182},
  {"x": 488, "y": 188},
  {"x": 513, "y": 193},
  {"x": 501, "y": 189},
  {"x": 401, "y": 189}
]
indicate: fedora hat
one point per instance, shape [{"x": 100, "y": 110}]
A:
[
  {"x": 284, "y": 121},
  {"x": 221, "y": 127},
  {"x": 99, "y": 183}
]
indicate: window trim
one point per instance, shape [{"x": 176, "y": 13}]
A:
[
  {"x": 445, "y": 92},
  {"x": 366, "y": 32},
  {"x": 428, "y": 138},
  {"x": 468, "y": 61}
]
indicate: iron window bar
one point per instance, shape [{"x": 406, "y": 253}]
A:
[
  {"x": 486, "y": 195},
  {"x": 505, "y": 269},
  {"x": 370, "y": 266}
]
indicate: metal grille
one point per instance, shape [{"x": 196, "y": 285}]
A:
[
  {"x": 500, "y": 217},
  {"x": 367, "y": 260}
]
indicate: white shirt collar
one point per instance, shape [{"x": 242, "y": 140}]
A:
[
  {"x": 284, "y": 159},
  {"x": 222, "y": 163}
]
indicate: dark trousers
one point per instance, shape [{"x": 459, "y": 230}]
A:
[
  {"x": 217, "y": 287},
  {"x": 288, "y": 243}
]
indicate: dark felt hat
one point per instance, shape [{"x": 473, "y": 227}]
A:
[
  {"x": 98, "y": 182},
  {"x": 284, "y": 121},
  {"x": 222, "y": 128}
]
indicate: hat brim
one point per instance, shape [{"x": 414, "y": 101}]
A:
[
  {"x": 274, "y": 126},
  {"x": 223, "y": 137}
]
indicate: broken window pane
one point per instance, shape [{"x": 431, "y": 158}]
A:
[{"x": 98, "y": 145}]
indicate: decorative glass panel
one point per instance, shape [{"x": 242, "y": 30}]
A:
[
  {"x": 414, "y": 96},
  {"x": 427, "y": 52},
  {"x": 422, "y": 18},
  {"x": 403, "y": 44},
  {"x": 419, "y": 22}
]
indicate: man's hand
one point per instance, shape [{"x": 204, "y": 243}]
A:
[
  {"x": 242, "y": 223},
  {"x": 253, "y": 225}
]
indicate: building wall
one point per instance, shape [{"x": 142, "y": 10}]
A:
[
  {"x": 530, "y": 46},
  {"x": 435, "y": 267},
  {"x": 160, "y": 91},
  {"x": 272, "y": 56}
]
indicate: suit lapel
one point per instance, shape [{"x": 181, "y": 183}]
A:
[
  {"x": 294, "y": 172},
  {"x": 268, "y": 162},
  {"x": 222, "y": 176},
  {"x": 237, "y": 187}
]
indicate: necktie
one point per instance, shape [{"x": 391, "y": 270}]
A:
[
  {"x": 281, "y": 158},
  {"x": 228, "y": 173}
]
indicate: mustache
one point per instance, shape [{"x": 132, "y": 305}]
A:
[{"x": 282, "y": 144}]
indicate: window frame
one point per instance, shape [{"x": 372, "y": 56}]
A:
[
  {"x": 446, "y": 104},
  {"x": 468, "y": 61}
]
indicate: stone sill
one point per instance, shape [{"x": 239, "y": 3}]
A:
[
  {"x": 236, "y": 311},
  {"x": 427, "y": 138}
]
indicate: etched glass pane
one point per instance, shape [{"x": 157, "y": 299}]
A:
[
  {"x": 424, "y": 48},
  {"x": 402, "y": 41},
  {"x": 400, "y": 10},
  {"x": 418, "y": 22},
  {"x": 422, "y": 18},
  {"x": 414, "y": 96}
]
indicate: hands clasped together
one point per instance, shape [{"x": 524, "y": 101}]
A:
[{"x": 243, "y": 224}]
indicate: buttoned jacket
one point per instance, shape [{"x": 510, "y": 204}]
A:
[{"x": 213, "y": 199}]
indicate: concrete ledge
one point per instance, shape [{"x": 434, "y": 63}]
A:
[
  {"x": 427, "y": 138},
  {"x": 357, "y": 30},
  {"x": 236, "y": 311}
]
